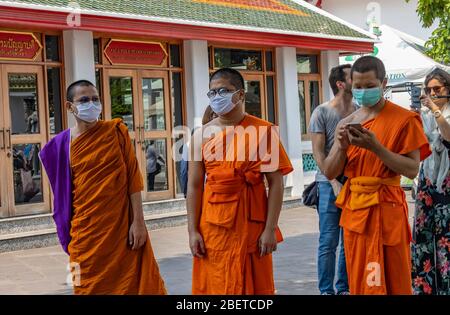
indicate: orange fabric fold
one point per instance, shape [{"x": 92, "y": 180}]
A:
[
  {"x": 360, "y": 195},
  {"x": 361, "y": 201},
  {"x": 234, "y": 213},
  {"x": 105, "y": 172},
  {"x": 226, "y": 187},
  {"x": 374, "y": 210}
]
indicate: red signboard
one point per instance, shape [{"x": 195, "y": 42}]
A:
[
  {"x": 18, "y": 46},
  {"x": 123, "y": 52}
]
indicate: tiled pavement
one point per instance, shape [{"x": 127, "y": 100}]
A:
[{"x": 43, "y": 271}]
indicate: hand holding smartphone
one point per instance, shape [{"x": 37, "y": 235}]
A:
[{"x": 356, "y": 126}]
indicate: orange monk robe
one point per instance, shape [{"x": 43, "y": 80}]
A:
[
  {"x": 374, "y": 216},
  {"x": 233, "y": 217},
  {"x": 105, "y": 173}
]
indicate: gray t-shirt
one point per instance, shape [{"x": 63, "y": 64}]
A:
[{"x": 325, "y": 119}]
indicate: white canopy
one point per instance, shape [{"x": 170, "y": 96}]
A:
[{"x": 403, "y": 56}]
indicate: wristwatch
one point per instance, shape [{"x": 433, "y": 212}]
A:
[{"x": 437, "y": 113}]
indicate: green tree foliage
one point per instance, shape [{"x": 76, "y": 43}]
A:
[{"x": 438, "y": 45}]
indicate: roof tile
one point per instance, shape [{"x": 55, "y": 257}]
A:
[{"x": 277, "y": 15}]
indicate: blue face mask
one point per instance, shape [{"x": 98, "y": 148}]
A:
[
  {"x": 367, "y": 97},
  {"x": 222, "y": 105}
]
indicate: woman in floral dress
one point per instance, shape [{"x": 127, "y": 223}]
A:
[{"x": 431, "y": 239}]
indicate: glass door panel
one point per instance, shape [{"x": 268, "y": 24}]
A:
[
  {"x": 156, "y": 165},
  {"x": 153, "y": 103},
  {"x": 121, "y": 98},
  {"x": 314, "y": 94},
  {"x": 310, "y": 95},
  {"x": 255, "y": 103},
  {"x": 155, "y": 134},
  {"x": 301, "y": 94},
  {"x": 142, "y": 99},
  {"x": 4, "y": 137},
  {"x": 24, "y": 136}
]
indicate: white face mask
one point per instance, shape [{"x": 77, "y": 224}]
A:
[
  {"x": 222, "y": 105},
  {"x": 89, "y": 111}
]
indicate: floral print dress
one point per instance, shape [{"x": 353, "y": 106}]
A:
[{"x": 431, "y": 246}]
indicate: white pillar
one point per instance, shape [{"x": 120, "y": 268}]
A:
[
  {"x": 289, "y": 114},
  {"x": 196, "y": 71},
  {"x": 328, "y": 60},
  {"x": 79, "y": 61}
]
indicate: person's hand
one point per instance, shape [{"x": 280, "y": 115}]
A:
[
  {"x": 428, "y": 102},
  {"x": 364, "y": 139},
  {"x": 342, "y": 138},
  {"x": 267, "y": 242},
  {"x": 137, "y": 235},
  {"x": 337, "y": 187},
  {"x": 196, "y": 244}
]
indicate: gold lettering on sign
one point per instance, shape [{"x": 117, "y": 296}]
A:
[
  {"x": 135, "y": 51},
  {"x": 18, "y": 47}
]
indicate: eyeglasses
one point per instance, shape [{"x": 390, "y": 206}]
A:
[
  {"x": 222, "y": 92},
  {"x": 86, "y": 99},
  {"x": 436, "y": 89}
]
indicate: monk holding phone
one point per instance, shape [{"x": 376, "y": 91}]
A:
[{"x": 374, "y": 216}]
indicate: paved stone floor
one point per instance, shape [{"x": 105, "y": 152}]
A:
[{"x": 44, "y": 270}]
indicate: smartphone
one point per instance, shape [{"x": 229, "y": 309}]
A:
[{"x": 357, "y": 126}]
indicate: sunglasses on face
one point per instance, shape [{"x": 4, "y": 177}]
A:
[{"x": 435, "y": 89}]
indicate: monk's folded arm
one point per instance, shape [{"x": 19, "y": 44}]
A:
[
  {"x": 406, "y": 165},
  {"x": 275, "y": 199}
]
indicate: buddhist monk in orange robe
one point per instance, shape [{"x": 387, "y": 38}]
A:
[
  {"x": 110, "y": 250},
  {"x": 374, "y": 216},
  {"x": 233, "y": 223}
]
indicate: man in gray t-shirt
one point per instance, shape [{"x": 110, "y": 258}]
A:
[
  {"x": 324, "y": 120},
  {"x": 323, "y": 123}
]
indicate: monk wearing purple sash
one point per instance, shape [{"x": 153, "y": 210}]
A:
[{"x": 97, "y": 186}]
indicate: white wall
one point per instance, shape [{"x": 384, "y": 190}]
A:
[
  {"x": 79, "y": 59},
  {"x": 196, "y": 74},
  {"x": 328, "y": 60},
  {"x": 395, "y": 13},
  {"x": 289, "y": 115}
]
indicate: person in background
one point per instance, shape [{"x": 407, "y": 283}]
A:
[
  {"x": 431, "y": 237},
  {"x": 322, "y": 128},
  {"x": 154, "y": 161}
]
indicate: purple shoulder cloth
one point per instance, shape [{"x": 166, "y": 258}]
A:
[{"x": 55, "y": 157}]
